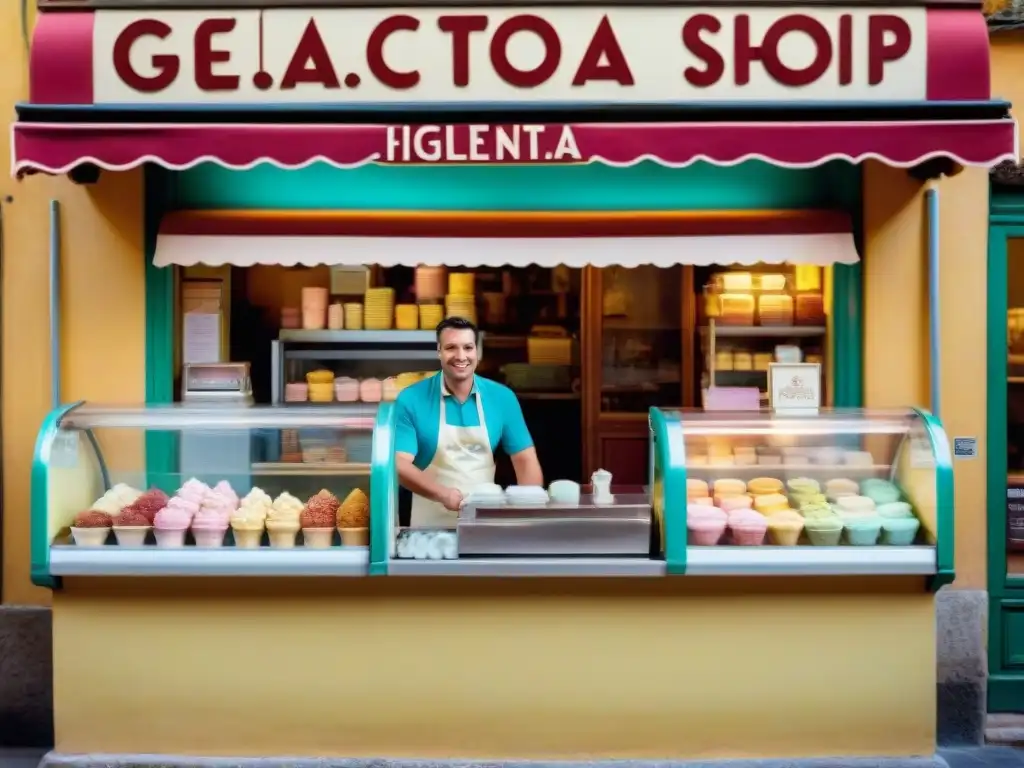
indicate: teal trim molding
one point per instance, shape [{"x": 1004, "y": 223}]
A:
[
  {"x": 1006, "y": 594},
  {"x": 945, "y": 532},
  {"x": 383, "y": 490},
  {"x": 670, "y": 478},
  {"x": 161, "y": 447},
  {"x": 39, "y": 525},
  {"x": 646, "y": 186}
]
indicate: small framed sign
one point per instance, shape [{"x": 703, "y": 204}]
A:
[{"x": 794, "y": 387}]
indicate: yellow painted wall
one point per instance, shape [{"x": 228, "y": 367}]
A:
[
  {"x": 103, "y": 295},
  {"x": 563, "y": 669}
]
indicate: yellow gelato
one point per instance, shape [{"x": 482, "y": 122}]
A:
[
  {"x": 253, "y": 511},
  {"x": 284, "y": 513},
  {"x": 354, "y": 511}
]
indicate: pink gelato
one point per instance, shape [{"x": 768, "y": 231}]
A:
[
  {"x": 748, "y": 527},
  {"x": 193, "y": 490},
  {"x": 371, "y": 390},
  {"x": 172, "y": 519},
  {"x": 705, "y": 531},
  {"x": 184, "y": 505},
  {"x": 214, "y": 513},
  {"x": 224, "y": 489},
  {"x": 704, "y": 512}
]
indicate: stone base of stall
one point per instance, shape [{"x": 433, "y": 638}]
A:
[
  {"x": 59, "y": 760},
  {"x": 445, "y": 669}
]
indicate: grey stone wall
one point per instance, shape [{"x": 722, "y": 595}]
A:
[
  {"x": 961, "y": 618},
  {"x": 26, "y": 677}
]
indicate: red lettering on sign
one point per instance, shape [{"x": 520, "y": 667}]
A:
[
  {"x": 714, "y": 64},
  {"x": 603, "y": 46},
  {"x": 206, "y": 56},
  {"x": 310, "y": 63},
  {"x": 880, "y": 49},
  {"x": 166, "y": 65},
  {"x": 525, "y": 78},
  {"x": 375, "y": 52},
  {"x": 845, "y": 52},
  {"x": 460, "y": 28},
  {"x": 767, "y": 53}
]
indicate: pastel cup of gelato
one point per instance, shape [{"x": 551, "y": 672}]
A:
[
  {"x": 824, "y": 530},
  {"x": 862, "y": 531},
  {"x": 880, "y": 491},
  {"x": 705, "y": 531},
  {"x": 747, "y": 528},
  {"x": 899, "y": 531},
  {"x": 895, "y": 509},
  {"x": 209, "y": 538},
  {"x": 784, "y": 528}
]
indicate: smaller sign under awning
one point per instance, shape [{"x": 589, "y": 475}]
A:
[
  {"x": 58, "y": 147},
  {"x": 484, "y": 239}
]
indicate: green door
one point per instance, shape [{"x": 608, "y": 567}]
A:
[{"x": 1005, "y": 486}]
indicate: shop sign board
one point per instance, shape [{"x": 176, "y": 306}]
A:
[
  {"x": 524, "y": 55},
  {"x": 794, "y": 387}
]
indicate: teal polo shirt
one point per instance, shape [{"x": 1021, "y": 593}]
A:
[{"x": 418, "y": 417}]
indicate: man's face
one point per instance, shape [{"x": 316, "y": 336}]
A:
[{"x": 457, "y": 350}]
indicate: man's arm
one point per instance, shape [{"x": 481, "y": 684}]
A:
[
  {"x": 518, "y": 443},
  {"x": 527, "y": 467},
  {"x": 420, "y": 483}
]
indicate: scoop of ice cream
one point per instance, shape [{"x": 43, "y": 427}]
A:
[
  {"x": 786, "y": 520},
  {"x": 193, "y": 490},
  {"x": 130, "y": 517},
  {"x": 286, "y": 508},
  {"x": 249, "y": 519},
  {"x": 185, "y": 505},
  {"x": 354, "y": 511},
  {"x": 321, "y": 511},
  {"x": 827, "y": 522},
  {"x": 257, "y": 496},
  {"x": 116, "y": 499},
  {"x": 215, "y": 511},
  {"x": 810, "y": 511},
  {"x": 224, "y": 489},
  {"x": 151, "y": 502},
  {"x": 92, "y": 518},
  {"x": 172, "y": 519}
]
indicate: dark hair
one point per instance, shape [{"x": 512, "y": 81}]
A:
[{"x": 457, "y": 324}]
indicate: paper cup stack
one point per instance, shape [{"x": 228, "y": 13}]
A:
[
  {"x": 314, "y": 308},
  {"x": 380, "y": 309},
  {"x": 407, "y": 317},
  {"x": 459, "y": 305},
  {"x": 430, "y": 316},
  {"x": 430, "y": 282},
  {"x": 353, "y": 316}
]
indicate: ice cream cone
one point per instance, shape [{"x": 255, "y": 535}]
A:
[
  {"x": 90, "y": 537},
  {"x": 824, "y": 538},
  {"x": 354, "y": 537},
  {"x": 131, "y": 535},
  {"x": 248, "y": 538},
  {"x": 283, "y": 539},
  {"x": 209, "y": 537},
  {"x": 170, "y": 537},
  {"x": 317, "y": 538}
]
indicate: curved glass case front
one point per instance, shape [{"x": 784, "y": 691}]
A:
[
  {"x": 836, "y": 492},
  {"x": 212, "y": 488}
]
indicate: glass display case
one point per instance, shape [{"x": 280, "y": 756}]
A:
[
  {"x": 202, "y": 490},
  {"x": 198, "y": 490},
  {"x": 839, "y": 492}
]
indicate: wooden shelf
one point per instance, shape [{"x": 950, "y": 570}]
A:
[
  {"x": 766, "y": 331},
  {"x": 312, "y": 468}
]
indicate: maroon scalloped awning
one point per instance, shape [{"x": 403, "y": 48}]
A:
[{"x": 57, "y": 148}]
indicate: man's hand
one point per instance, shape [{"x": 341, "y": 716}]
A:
[{"x": 452, "y": 499}]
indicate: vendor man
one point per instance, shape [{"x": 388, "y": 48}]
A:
[{"x": 449, "y": 426}]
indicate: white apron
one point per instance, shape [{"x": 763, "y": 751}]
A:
[{"x": 463, "y": 460}]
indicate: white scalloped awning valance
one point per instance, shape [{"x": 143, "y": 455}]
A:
[{"x": 821, "y": 249}]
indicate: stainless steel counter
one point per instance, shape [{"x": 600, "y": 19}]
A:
[{"x": 587, "y": 529}]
